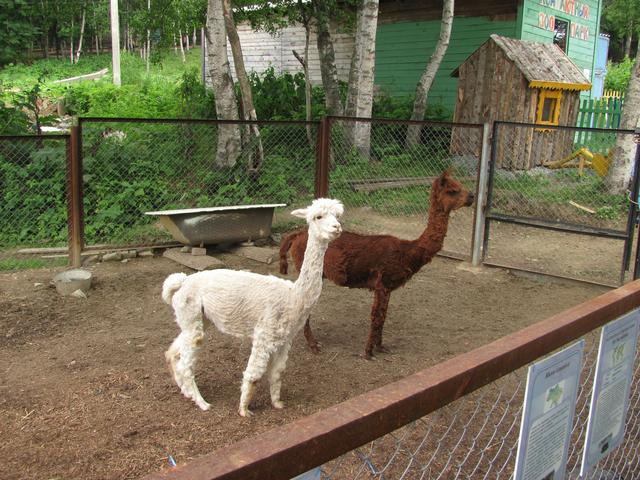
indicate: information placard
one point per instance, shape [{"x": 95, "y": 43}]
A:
[
  {"x": 611, "y": 387},
  {"x": 547, "y": 415}
]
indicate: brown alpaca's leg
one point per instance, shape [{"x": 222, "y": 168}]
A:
[
  {"x": 314, "y": 346},
  {"x": 378, "y": 313},
  {"x": 383, "y": 304}
]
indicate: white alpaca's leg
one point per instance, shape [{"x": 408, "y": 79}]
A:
[
  {"x": 183, "y": 354},
  {"x": 256, "y": 366},
  {"x": 172, "y": 355},
  {"x": 276, "y": 367}
]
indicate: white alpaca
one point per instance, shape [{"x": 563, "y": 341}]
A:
[{"x": 269, "y": 309}]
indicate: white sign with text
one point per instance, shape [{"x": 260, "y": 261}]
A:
[
  {"x": 611, "y": 387},
  {"x": 547, "y": 415}
]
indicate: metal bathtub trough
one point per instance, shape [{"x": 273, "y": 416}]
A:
[{"x": 214, "y": 225}]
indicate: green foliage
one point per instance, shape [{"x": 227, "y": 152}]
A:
[
  {"x": 31, "y": 100},
  {"x": 195, "y": 100},
  {"x": 13, "y": 121},
  {"x": 22, "y": 76},
  {"x": 621, "y": 19},
  {"x": 618, "y": 75},
  {"x": 387, "y": 106},
  {"x": 8, "y": 264},
  {"x": 17, "y": 29},
  {"x": 33, "y": 201},
  {"x": 608, "y": 212},
  {"x": 279, "y": 97}
]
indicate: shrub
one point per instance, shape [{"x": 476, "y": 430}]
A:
[{"x": 618, "y": 75}]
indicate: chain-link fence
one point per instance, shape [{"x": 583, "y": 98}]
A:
[
  {"x": 33, "y": 185},
  {"x": 384, "y": 178},
  {"x": 134, "y": 166},
  {"x": 476, "y": 437},
  {"x": 553, "y": 179},
  {"x": 549, "y": 178}
]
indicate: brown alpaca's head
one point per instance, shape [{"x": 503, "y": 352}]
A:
[{"x": 449, "y": 194}]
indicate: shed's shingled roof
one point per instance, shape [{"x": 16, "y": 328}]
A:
[{"x": 542, "y": 64}]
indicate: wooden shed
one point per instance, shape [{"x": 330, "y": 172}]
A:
[{"x": 521, "y": 81}]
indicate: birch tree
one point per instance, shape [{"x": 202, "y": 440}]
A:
[
  {"x": 424, "y": 85},
  {"x": 82, "y": 25},
  {"x": 305, "y": 20},
  {"x": 115, "y": 43},
  {"x": 361, "y": 76},
  {"x": 248, "y": 108},
  {"x": 326, "y": 52},
  {"x": 229, "y": 140},
  {"x": 619, "y": 176}
]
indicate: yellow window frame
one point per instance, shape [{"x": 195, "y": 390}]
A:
[{"x": 544, "y": 95}]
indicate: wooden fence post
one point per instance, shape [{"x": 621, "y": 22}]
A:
[
  {"x": 481, "y": 198},
  {"x": 74, "y": 197}
]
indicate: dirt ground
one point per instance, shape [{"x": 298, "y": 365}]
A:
[{"x": 84, "y": 391}]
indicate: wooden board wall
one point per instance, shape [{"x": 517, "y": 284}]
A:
[
  {"x": 491, "y": 87},
  {"x": 262, "y": 50}
]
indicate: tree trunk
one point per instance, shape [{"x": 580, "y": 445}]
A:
[
  {"x": 229, "y": 141},
  {"x": 248, "y": 108},
  {"x": 95, "y": 27},
  {"x": 46, "y": 45},
  {"x": 620, "y": 171},
  {"x": 186, "y": 40},
  {"x": 195, "y": 37},
  {"x": 424, "y": 85},
  {"x": 148, "y": 49},
  {"x": 327, "y": 55},
  {"x": 361, "y": 77},
  {"x": 175, "y": 44},
  {"x": 79, "y": 50},
  {"x": 184, "y": 58},
  {"x": 46, "y": 30},
  {"x": 307, "y": 81},
  {"x": 628, "y": 40},
  {"x": 115, "y": 43},
  {"x": 71, "y": 52}
]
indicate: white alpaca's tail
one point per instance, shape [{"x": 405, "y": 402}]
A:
[{"x": 171, "y": 285}]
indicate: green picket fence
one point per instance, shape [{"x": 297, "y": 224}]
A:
[{"x": 604, "y": 112}]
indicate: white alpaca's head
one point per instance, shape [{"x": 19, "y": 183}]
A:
[{"x": 323, "y": 217}]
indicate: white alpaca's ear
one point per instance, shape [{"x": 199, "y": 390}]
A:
[{"x": 300, "y": 213}]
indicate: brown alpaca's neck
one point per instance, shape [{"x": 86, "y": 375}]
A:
[{"x": 432, "y": 238}]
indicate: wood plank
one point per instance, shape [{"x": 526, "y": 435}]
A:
[
  {"x": 377, "y": 184},
  {"x": 88, "y": 76},
  {"x": 260, "y": 254},
  {"x": 204, "y": 262}
]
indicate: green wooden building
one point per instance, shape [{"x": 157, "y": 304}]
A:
[{"x": 408, "y": 31}]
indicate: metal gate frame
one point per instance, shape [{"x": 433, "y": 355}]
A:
[{"x": 626, "y": 235}]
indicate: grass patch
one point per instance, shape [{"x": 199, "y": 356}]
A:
[{"x": 12, "y": 264}]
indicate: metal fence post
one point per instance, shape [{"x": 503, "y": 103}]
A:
[
  {"x": 74, "y": 197},
  {"x": 634, "y": 207},
  {"x": 492, "y": 163},
  {"x": 481, "y": 191},
  {"x": 323, "y": 147}
]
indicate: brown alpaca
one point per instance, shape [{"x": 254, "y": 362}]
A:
[{"x": 381, "y": 263}]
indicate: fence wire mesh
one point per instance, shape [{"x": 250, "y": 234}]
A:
[
  {"x": 558, "y": 175},
  {"x": 556, "y": 178},
  {"x": 476, "y": 437},
  {"x": 33, "y": 210},
  {"x": 385, "y": 179},
  {"x": 132, "y": 167}
]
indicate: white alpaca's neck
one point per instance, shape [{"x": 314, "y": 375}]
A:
[{"x": 308, "y": 286}]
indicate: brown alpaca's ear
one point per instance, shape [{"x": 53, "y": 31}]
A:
[{"x": 445, "y": 177}]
